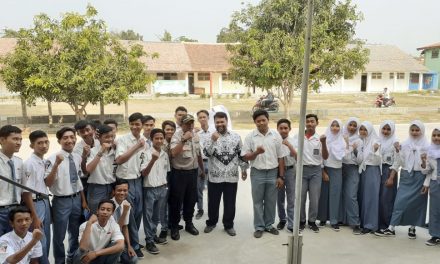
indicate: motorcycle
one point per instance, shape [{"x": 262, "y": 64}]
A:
[
  {"x": 272, "y": 107},
  {"x": 383, "y": 102}
]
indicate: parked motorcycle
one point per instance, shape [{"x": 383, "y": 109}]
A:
[
  {"x": 273, "y": 106},
  {"x": 383, "y": 102}
]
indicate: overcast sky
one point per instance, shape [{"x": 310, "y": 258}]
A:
[{"x": 404, "y": 23}]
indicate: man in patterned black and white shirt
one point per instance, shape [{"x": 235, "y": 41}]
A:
[{"x": 223, "y": 153}]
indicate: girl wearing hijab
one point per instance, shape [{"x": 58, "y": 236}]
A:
[
  {"x": 370, "y": 177},
  {"x": 349, "y": 213},
  {"x": 331, "y": 188},
  {"x": 389, "y": 146},
  {"x": 431, "y": 166},
  {"x": 410, "y": 205}
]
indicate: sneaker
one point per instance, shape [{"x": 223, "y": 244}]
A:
[
  {"x": 302, "y": 226},
  {"x": 433, "y": 241},
  {"x": 230, "y": 231},
  {"x": 163, "y": 234},
  {"x": 385, "y": 233},
  {"x": 281, "y": 225},
  {"x": 289, "y": 229},
  {"x": 199, "y": 214},
  {"x": 190, "y": 228},
  {"x": 322, "y": 223},
  {"x": 180, "y": 227},
  {"x": 152, "y": 249},
  {"x": 160, "y": 240},
  {"x": 258, "y": 234},
  {"x": 175, "y": 235},
  {"x": 366, "y": 231},
  {"x": 412, "y": 233},
  {"x": 208, "y": 229},
  {"x": 141, "y": 246},
  {"x": 336, "y": 228},
  {"x": 139, "y": 253},
  {"x": 272, "y": 230},
  {"x": 357, "y": 230},
  {"x": 313, "y": 227}
]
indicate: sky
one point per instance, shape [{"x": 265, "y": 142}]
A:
[{"x": 404, "y": 23}]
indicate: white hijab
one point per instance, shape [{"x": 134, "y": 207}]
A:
[
  {"x": 413, "y": 148},
  {"x": 387, "y": 142},
  {"x": 335, "y": 142},
  {"x": 369, "y": 141},
  {"x": 434, "y": 150},
  {"x": 352, "y": 137}
]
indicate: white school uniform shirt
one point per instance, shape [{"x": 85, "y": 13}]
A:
[
  {"x": 127, "y": 218},
  {"x": 271, "y": 142},
  {"x": 158, "y": 173},
  {"x": 14, "y": 243},
  {"x": 431, "y": 171},
  {"x": 131, "y": 169},
  {"x": 62, "y": 185},
  {"x": 100, "y": 236},
  {"x": 289, "y": 160},
  {"x": 205, "y": 137},
  {"x": 6, "y": 189},
  {"x": 312, "y": 151},
  {"x": 35, "y": 173},
  {"x": 103, "y": 173},
  {"x": 78, "y": 149}
]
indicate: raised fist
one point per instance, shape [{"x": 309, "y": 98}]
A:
[
  {"x": 260, "y": 150},
  {"x": 323, "y": 138},
  {"x": 59, "y": 158},
  {"x": 37, "y": 234},
  {"x": 215, "y": 136}
]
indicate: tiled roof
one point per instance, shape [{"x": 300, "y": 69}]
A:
[{"x": 432, "y": 46}]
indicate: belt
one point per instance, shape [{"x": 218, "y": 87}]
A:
[
  {"x": 289, "y": 167},
  {"x": 205, "y": 159},
  {"x": 8, "y": 206},
  {"x": 68, "y": 196},
  {"x": 38, "y": 198}
]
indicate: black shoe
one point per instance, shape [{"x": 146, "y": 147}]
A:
[
  {"x": 366, "y": 231},
  {"x": 152, "y": 249},
  {"x": 412, "y": 233},
  {"x": 313, "y": 227},
  {"x": 281, "y": 225},
  {"x": 208, "y": 229},
  {"x": 160, "y": 240},
  {"x": 175, "y": 235},
  {"x": 180, "y": 227},
  {"x": 302, "y": 226},
  {"x": 290, "y": 230},
  {"x": 139, "y": 253},
  {"x": 434, "y": 241},
  {"x": 385, "y": 233},
  {"x": 163, "y": 234},
  {"x": 258, "y": 234},
  {"x": 199, "y": 214},
  {"x": 272, "y": 230},
  {"x": 230, "y": 231},
  {"x": 322, "y": 223},
  {"x": 357, "y": 230},
  {"x": 190, "y": 228},
  {"x": 336, "y": 228},
  {"x": 141, "y": 246}
]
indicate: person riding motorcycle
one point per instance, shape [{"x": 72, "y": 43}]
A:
[{"x": 267, "y": 100}]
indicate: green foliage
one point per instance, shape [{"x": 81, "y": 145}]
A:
[
  {"x": 185, "y": 39},
  {"x": 227, "y": 35},
  {"x": 166, "y": 36},
  {"x": 128, "y": 35},
  {"x": 75, "y": 61},
  {"x": 10, "y": 33},
  {"x": 271, "y": 49}
]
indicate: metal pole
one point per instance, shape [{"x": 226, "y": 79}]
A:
[
  {"x": 19, "y": 185},
  {"x": 210, "y": 90},
  {"x": 295, "y": 241}
]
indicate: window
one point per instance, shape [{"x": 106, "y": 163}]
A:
[
  {"x": 225, "y": 77},
  {"x": 166, "y": 76},
  {"x": 434, "y": 54},
  {"x": 376, "y": 75},
  {"x": 391, "y": 75},
  {"x": 203, "y": 76},
  {"x": 400, "y": 75}
]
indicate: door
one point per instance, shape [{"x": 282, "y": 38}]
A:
[
  {"x": 364, "y": 82},
  {"x": 191, "y": 83}
]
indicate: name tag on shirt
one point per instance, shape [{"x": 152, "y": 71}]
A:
[
  {"x": 315, "y": 152},
  {"x": 389, "y": 159}
]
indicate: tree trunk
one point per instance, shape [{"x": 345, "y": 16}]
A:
[
  {"x": 49, "y": 109},
  {"x": 287, "y": 110},
  {"x": 126, "y": 110},
  {"x": 24, "y": 112},
  {"x": 101, "y": 110},
  {"x": 77, "y": 112}
]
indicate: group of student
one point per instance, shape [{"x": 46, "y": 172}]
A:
[{"x": 104, "y": 187}]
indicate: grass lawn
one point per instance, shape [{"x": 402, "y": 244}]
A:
[{"x": 409, "y": 106}]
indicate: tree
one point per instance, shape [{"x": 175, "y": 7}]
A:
[
  {"x": 271, "y": 50},
  {"x": 227, "y": 36},
  {"x": 166, "y": 36},
  {"x": 185, "y": 39},
  {"x": 10, "y": 33},
  {"x": 128, "y": 35}
]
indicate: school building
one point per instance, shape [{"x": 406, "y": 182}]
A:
[
  {"x": 431, "y": 59},
  {"x": 196, "y": 68}
]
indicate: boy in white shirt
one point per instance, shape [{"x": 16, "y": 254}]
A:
[
  {"x": 100, "y": 240},
  {"x": 155, "y": 172},
  {"x": 20, "y": 246}
]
